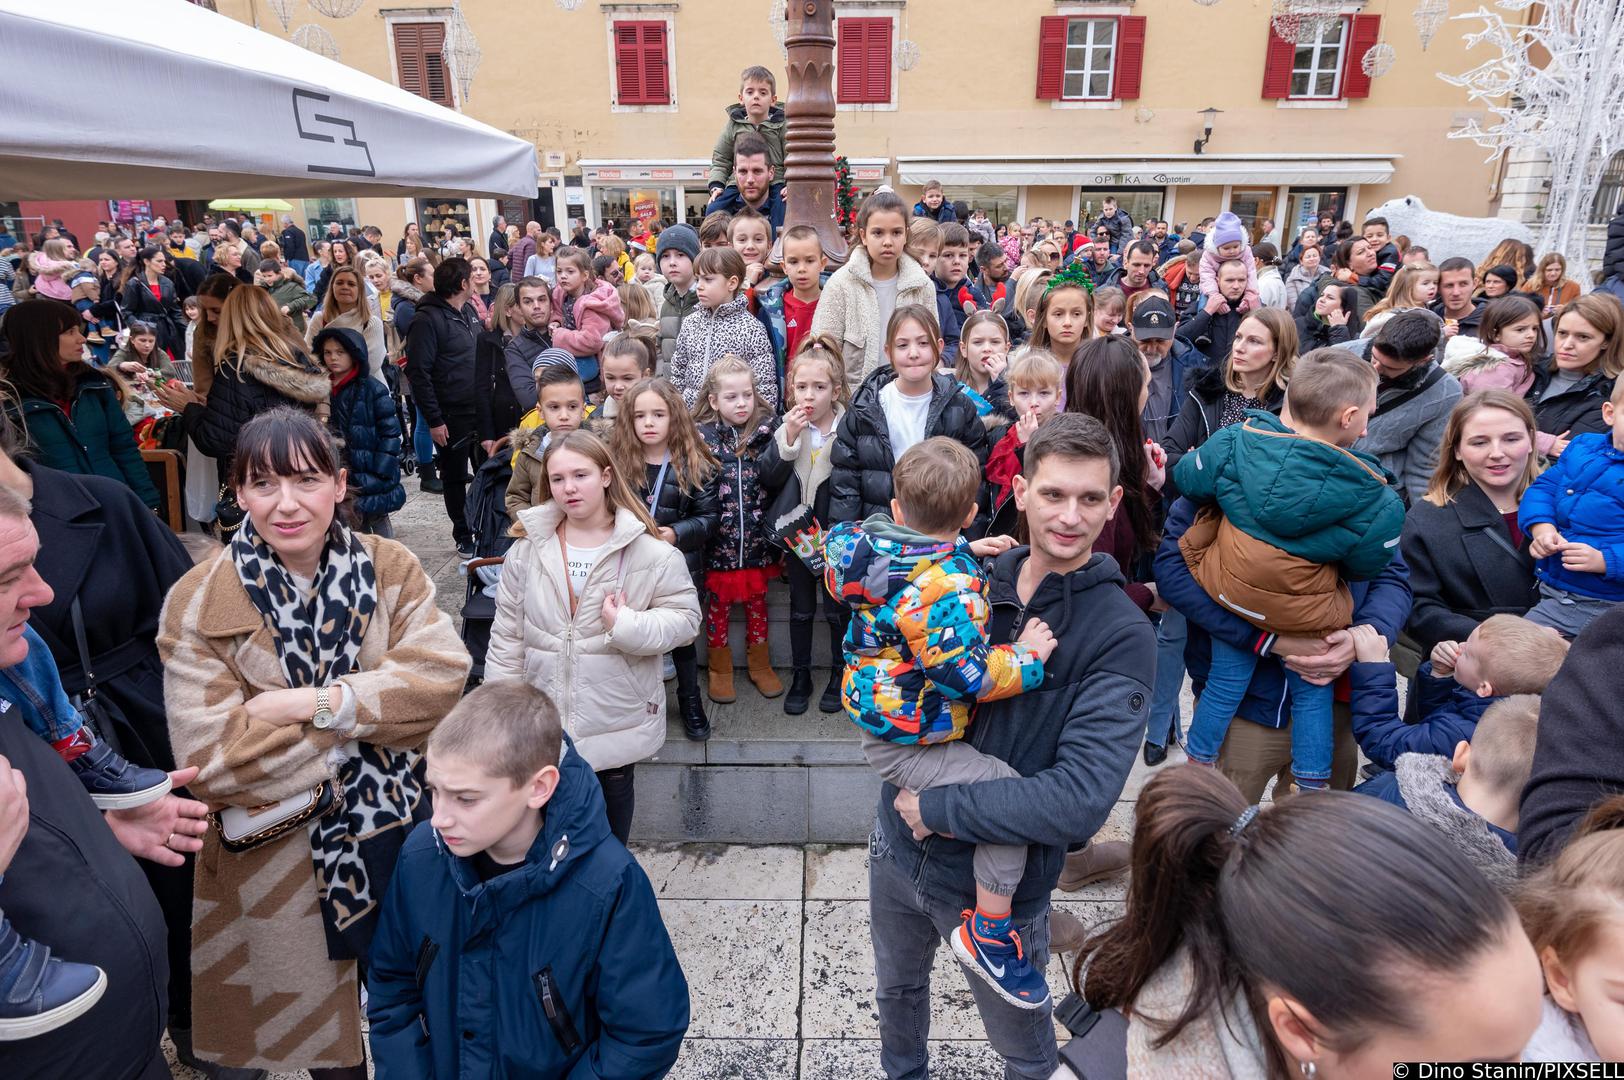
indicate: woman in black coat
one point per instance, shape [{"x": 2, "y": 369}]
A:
[
  {"x": 1334, "y": 319},
  {"x": 1571, "y": 387},
  {"x": 101, "y": 548},
  {"x": 150, "y": 296},
  {"x": 496, "y": 410},
  {"x": 1468, "y": 559}
]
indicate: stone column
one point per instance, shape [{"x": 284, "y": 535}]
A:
[{"x": 809, "y": 112}]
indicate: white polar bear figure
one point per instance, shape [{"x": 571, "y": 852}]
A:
[{"x": 1448, "y": 235}]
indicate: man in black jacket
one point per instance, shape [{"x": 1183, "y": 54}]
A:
[
  {"x": 440, "y": 364},
  {"x": 1072, "y": 740},
  {"x": 1579, "y": 750},
  {"x": 1212, "y": 331},
  {"x": 520, "y": 353},
  {"x": 69, "y": 884},
  {"x": 295, "y": 248}
]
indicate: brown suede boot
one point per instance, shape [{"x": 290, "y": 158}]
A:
[
  {"x": 762, "y": 673},
  {"x": 1095, "y": 862},
  {"x": 1066, "y": 932},
  {"x": 720, "y": 663}
]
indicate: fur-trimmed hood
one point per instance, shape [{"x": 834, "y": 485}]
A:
[
  {"x": 304, "y": 380},
  {"x": 405, "y": 290},
  {"x": 528, "y": 440},
  {"x": 1423, "y": 782}
]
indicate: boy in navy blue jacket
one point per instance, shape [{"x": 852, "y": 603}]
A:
[
  {"x": 519, "y": 938},
  {"x": 956, "y": 294},
  {"x": 1505, "y": 654}
]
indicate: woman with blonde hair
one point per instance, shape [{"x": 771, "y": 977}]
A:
[
  {"x": 1252, "y": 376},
  {"x": 346, "y": 307},
  {"x": 591, "y": 597},
  {"x": 259, "y": 363},
  {"x": 1550, "y": 282}
]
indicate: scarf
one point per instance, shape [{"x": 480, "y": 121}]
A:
[{"x": 318, "y": 639}]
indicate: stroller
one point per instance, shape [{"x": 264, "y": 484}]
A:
[{"x": 487, "y": 517}]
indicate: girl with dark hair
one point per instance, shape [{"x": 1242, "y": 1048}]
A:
[
  {"x": 150, "y": 296},
  {"x": 304, "y": 660},
  {"x": 1110, "y": 381},
  {"x": 1513, "y": 341},
  {"x": 70, "y": 410},
  {"x": 1333, "y": 320},
  {"x": 1261, "y": 943}
]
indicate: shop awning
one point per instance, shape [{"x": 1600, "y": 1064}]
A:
[
  {"x": 165, "y": 99},
  {"x": 1131, "y": 171}
]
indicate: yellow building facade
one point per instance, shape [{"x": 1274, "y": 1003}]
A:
[{"x": 1024, "y": 108}]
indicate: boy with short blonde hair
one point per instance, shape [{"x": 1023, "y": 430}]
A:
[
  {"x": 515, "y": 899},
  {"x": 1033, "y": 379}
]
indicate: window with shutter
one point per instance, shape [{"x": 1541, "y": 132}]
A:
[
  {"x": 1090, "y": 59},
  {"x": 420, "y": 61},
  {"x": 1363, "y": 32},
  {"x": 863, "y": 61},
  {"x": 642, "y": 71},
  {"x": 1130, "y": 56},
  {"x": 1051, "y": 56}
]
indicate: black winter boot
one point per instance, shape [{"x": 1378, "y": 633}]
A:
[
  {"x": 690, "y": 702},
  {"x": 830, "y": 701},
  {"x": 799, "y": 697}
]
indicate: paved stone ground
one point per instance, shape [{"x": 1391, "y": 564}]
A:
[{"x": 774, "y": 939}]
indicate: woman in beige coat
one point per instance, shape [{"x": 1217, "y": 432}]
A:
[
  {"x": 303, "y": 654},
  {"x": 591, "y": 599}
]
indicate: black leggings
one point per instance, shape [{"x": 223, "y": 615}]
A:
[
  {"x": 804, "y": 591},
  {"x": 620, "y": 800}
]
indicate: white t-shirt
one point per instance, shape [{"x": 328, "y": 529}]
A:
[
  {"x": 581, "y": 560},
  {"x": 886, "y": 293},
  {"x": 905, "y": 416}
]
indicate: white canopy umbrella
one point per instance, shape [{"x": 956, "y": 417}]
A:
[{"x": 165, "y": 99}]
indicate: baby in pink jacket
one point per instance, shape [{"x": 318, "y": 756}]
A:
[{"x": 1228, "y": 241}]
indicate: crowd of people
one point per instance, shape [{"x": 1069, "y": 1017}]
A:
[{"x": 1030, "y": 476}]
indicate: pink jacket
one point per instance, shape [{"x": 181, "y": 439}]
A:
[
  {"x": 1512, "y": 373},
  {"x": 1209, "y": 276},
  {"x": 596, "y": 313},
  {"x": 50, "y": 276}
]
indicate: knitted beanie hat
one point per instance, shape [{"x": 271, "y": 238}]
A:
[
  {"x": 1228, "y": 230},
  {"x": 678, "y": 238}
]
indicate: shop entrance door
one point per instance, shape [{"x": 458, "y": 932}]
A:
[{"x": 1252, "y": 206}]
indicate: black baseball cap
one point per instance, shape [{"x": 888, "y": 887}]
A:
[{"x": 1153, "y": 319}]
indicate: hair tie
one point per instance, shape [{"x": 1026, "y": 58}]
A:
[
  {"x": 1245, "y": 818},
  {"x": 1072, "y": 275}
]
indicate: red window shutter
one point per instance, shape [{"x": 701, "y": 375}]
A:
[
  {"x": 1130, "y": 56},
  {"x": 863, "y": 61},
  {"x": 1052, "y": 56},
  {"x": 1277, "y": 66},
  {"x": 877, "y": 62},
  {"x": 1363, "y": 32},
  {"x": 642, "y": 76}
]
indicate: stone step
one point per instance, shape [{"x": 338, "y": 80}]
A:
[{"x": 762, "y": 778}]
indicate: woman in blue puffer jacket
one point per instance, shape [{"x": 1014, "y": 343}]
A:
[{"x": 367, "y": 426}]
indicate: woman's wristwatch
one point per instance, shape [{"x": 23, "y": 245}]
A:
[{"x": 324, "y": 710}]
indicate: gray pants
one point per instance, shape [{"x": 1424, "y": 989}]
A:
[
  {"x": 1566, "y": 612},
  {"x": 998, "y": 867}
]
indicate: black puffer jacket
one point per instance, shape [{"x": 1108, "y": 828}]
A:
[
  {"x": 1314, "y": 332},
  {"x": 742, "y": 484},
  {"x": 440, "y": 350},
  {"x": 365, "y": 421},
  {"x": 862, "y": 462},
  {"x": 496, "y": 410},
  {"x": 692, "y": 515},
  {"x": 164, "y": 315},
  {"x": 1212, "y": 334},
  {"x": 1612, "y": 259},
  {"x": 244, "y": 387},
  {"x": 1576, "y": 410}
]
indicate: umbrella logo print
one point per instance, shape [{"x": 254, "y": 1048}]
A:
[{"x": 349, "y": 155}]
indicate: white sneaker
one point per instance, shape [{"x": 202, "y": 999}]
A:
[{"x": 669, "y": 670}]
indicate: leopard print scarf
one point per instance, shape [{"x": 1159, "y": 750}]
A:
[{"x": 318, "y": 640}]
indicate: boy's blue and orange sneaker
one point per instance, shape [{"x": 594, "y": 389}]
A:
[{"x": 992, "y": 950}]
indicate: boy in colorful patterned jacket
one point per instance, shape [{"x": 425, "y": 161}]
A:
[{"x": 917, "y": 659}]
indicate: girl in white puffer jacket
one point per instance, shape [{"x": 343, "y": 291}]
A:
[{"x": 591, "y": 599}]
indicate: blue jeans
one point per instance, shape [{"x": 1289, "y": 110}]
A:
[
  {"x": 1226, "y": 687},
  {"x": 422, "y": 445},
  {"x": 907, "y": 928},
  {"x": 1163, "y": 726},
  {"x": 298, "y": 266}
]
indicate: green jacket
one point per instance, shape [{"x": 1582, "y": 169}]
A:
[
  {"x": 1305, "y": 497},
  {"x": 95, "y": 440},
  {"x": 770, "y": 129},
  {"x": 293, "y": 296}
]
